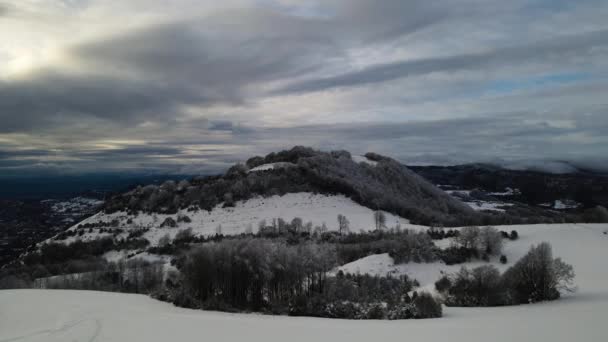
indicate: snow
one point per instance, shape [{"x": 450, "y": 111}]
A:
[
  {"x": 75, "y": 205},
  {"x": 487, "y": 205},
  {"x": 59, "y": 315},
  {"x": 563, "y": 237},
  {"x": 459, "y": 193},
  {"x": 464, "y": 196},
  {"x": 363, "y": 159},
  {"x": 508, "y": 192},
  {"x": 272, "y": 166},
  {"x": 316, "y": 208},
  {"x": 565, "y": 204}
]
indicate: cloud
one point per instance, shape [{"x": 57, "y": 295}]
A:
[
  {"x": 183, "y": 85},
  {"x": 4, "y": 9},
  {"x": 561, "y": 48}
]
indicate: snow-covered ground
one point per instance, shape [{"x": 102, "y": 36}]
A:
[
  {"x": 76, "y": 204},
  {"x": 569, "y": 242},
  {"x": 488, "y": 205},
  {"x": 363, "y": 159},
  {"x": 476, "y": 204},
  {"x": 272, "y": 166},
  {"x": 315, "y": 208},
  {"x": 47, "y": 315}
]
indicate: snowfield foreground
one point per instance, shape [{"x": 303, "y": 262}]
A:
[{"x": 46, "y": 315}]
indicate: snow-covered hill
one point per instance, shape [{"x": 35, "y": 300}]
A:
[
  {"x": 43, "y": 315},
  {"x": 320, "y": 210}
]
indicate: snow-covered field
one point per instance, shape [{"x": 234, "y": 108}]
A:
[
  {"x": 479, "y": 205},
  {"x": 572, "y": 242},
  {"x": 487, "y": 205},
  {"x": 315, "y": 208},
  {"x": 46, "y": 315}
]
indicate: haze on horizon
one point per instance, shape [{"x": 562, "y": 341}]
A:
[{"x": 190, "y": 86}]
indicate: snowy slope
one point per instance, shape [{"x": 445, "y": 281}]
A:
[
  {"x": 575, "y": 243},
  {"x": 315, "y": 208},
  {"x": 58, "y": 316}
]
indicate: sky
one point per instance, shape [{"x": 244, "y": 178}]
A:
[{"x": 185, "y": 86}]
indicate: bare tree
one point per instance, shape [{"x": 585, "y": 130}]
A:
[
  {"x": 468, "y": 237},
  {"x": 489, "y": 241},
  {"x": 297, "y": 224},
  {"x": 379, "y": 219},
  {"x": 343, "y": 224}
]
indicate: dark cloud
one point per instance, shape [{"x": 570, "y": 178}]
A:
[
  {"x": 545, "y": 51},
  {"x": 516, "y": 140},
  {"x": 150, "y": 73},
  {"x": 199, "y": 94}
]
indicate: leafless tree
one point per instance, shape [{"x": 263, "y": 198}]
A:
[
  {"x": 343, "y": 224},
  {"x": 379, "y": 219}
]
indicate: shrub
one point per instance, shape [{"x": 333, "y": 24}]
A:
[
  {"x": 537, "y": 276},
  {"x": 183, "y": 236},
  {"x": 468, "y": 237},
  {"x": 169, "y": 222},
  {"x": 503, "y": 259},
  {"x": 443, "y": 284},
  {"x": 457, "y": 255},
  {"x": 478, "y": 287},
  {"x": 184, "y": 218},
  {"x": 425, "y": 306}
]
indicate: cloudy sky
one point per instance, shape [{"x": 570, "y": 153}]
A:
[{"x": 193, "y": 86}]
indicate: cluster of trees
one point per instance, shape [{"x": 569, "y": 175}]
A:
[
  {"x": 440, "y": 234},
  {"x": 56, "y": 258},
  {"x": 486, "y": 241},
  {"x": 535, "y": 277},
  {"x": 403, "y": 246},
  {"x": 475, "y": 243},
  {"x": 132, "y": 276},
  {"x": 273, "y": 276},
  {"x": 251, "y": 273},
  {"x": 367, "y": 297}
]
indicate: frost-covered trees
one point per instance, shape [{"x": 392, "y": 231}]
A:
[
  {"x": 343, "y": 224},
  {"x": 426, "y": 306},
  {"x": 485, "y": 241},
  {"x": 246, "y": 273},
  {"x": 538, "y": 276},
  {"x": 489, "y": 241},
  {"x": 468, "y": 237},
  {"x": 481, "y": 286},
  {"x": 272, "y": 275}
]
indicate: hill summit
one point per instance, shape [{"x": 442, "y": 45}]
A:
[{"x": 374, "y": 181}]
